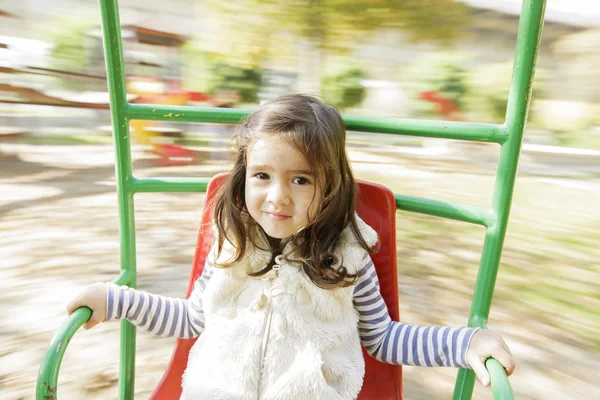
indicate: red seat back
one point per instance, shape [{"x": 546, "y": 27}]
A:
[{"x": 377, "y": 207}]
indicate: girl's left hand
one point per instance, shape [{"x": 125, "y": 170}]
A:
[{"x": 484, "y": 344}]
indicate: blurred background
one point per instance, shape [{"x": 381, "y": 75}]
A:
[{"x": 435, "y": 59}]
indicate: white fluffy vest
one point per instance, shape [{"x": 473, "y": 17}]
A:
[{"x": 278, "y": 339}]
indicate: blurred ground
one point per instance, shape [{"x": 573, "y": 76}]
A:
[{"x": 59, "y": 232}]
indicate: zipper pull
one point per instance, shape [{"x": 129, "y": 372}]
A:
[
  {"x": 276, "y": 268},
  {"x": 272, "y": 274}
]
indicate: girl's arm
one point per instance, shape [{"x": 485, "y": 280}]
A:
[
  {"x": 397, "y": 343},
  {"x": 160, "y": 315}
]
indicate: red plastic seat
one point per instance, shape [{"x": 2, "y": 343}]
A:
[{"x": 377, "y": 207}]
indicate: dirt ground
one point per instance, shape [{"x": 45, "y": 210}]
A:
[{"x": 59, "y": 233}]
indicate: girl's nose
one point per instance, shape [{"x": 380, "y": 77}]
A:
[{"x": 278, "y": 194}]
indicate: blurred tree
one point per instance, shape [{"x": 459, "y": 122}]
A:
[
  {"x": 252, "y": 32},
  {"x": 211, "y": 73},
  {"x": 437, "y": 78},
  {"x": 479, "y": 92},
  {"x": 344, "y": 89},
  {"x": 194, "y": 69},
  {"x": 69, "y": 53},
  {"x": 243, "y": 81},
  {"x": 489, "y": 85},
  {"x": 337, "y": 24}
]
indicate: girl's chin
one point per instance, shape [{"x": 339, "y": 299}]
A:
[{"x": 277, "y": 233}]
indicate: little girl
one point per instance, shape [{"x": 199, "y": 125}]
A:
[{"x": 289, "y": 292}]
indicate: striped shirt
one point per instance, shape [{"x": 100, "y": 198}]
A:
[{"x": 386, "y": 340}]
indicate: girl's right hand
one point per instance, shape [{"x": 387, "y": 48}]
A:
[{"x": 93, "y": 297}]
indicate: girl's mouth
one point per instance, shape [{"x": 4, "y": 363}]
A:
[{"x": 278, "y": 216}]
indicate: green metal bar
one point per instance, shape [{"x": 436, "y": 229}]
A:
[
  {"x": 438, "y": 129},
  {"x": 443, "y": 209},
  {"x": 457, "y": 212},
  {"x": 185, "y": 113},
  {"x": 500, "y": 384},
  {"x": 413, "y": 127},
  {"x": 169, "y": 185},
  {"x": 47, "y": 387},
  {"x": 528, "y": 41},
  {"x": 115, "y": 67}
]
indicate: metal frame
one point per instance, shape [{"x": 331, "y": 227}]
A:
[{"x": 508, "y": 135}]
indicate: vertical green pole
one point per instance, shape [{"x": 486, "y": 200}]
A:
[
  {"x": 115, "y": 68},
  {"x": 528, "y": 40}
]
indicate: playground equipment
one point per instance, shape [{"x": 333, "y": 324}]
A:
[{"x": 377, "y": 204}]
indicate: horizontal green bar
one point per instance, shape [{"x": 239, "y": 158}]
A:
[
  {"x": 474, "y": 215},
  {"x": 425, "y": 128},
  {"x": 169, "y": 185},
  {"x": 412, "y": 127},
  {"x": 185, "y": 114},
  {"x": 458, "y": 212},
  {"x": 500, "y": 383}
]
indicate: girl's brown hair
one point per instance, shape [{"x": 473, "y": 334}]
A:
[{"x": 317, "y": 131}]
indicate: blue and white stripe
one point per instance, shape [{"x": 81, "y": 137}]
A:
[
  {"x": 397, "y": 343},
  {"x": 162, "y": 316},
  {"x": 388, "y": 341}
]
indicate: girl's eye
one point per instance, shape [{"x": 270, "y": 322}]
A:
[
  {"x": 262, "y": 176},
  {"x": 301, "y": 181}
]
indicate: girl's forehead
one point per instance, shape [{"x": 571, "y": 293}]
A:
[{"x": 275, "y": 152}]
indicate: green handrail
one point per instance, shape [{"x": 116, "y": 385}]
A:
[
  {"x": 508, "y": 135},
  {"x": 500, "y": 385},
  {"x": 48, "y": 375},
  {"x": 46, "y": 387}
]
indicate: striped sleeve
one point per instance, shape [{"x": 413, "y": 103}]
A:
[
  {"x": 393, "y": 342},
  {"x": 160, "y": 315}
]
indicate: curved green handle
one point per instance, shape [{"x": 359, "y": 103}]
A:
[
  {"x": 500, "y": 384},
  {"x": 48, "y": 375}
]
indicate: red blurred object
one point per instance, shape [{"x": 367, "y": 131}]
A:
[
  {"x": 446, "y": 107},
  {"x": 198, "y": 97},
  {"x": 171, "y": 154},
  {"x": 377, "y": 207}
]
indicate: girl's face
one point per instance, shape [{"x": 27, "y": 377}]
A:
[{"x": 281, "y": 191}]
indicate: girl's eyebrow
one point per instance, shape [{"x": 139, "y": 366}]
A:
[
  {"x": 293, "y": 171},
  {"x": 261, "y": 166},
  {"x": 302, "y": 171}
]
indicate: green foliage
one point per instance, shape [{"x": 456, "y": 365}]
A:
[
  {"x": 344, "y": 89},
  {"x": 489, "y": 86},
  {"x": 251, "y": 31},
  {"x": 481, "y": 92},
  {"x": 245, "y": 81},
  {"x": 68, "y": 34},
  {"x": 261, "y": 32},
  {"x": 336, "y": 25},
  {"x": 444, "y": 73},
  {"x": 195, "y": 71},
  {"x": 212, "y": 72}
]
